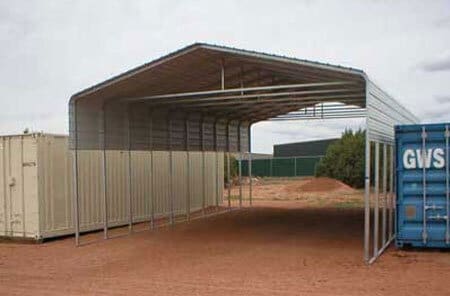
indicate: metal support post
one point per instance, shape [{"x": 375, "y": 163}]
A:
[
  {"x": 171, "y": 197},
  {"x": 104, "y": 180},
  {"x": 424, "y": 186},
  {"x": 391, "y": 193},
  {"x": 75, "y": 178},
  {"x": 377, "y": 197},
  {"x": 217, "y": 165},
  {"x": 229, "y": 179},
  {"x": 367, "y": 200},
  {"x": 385, "y": 204},
  {"x": 152, "y": 182},
  {"x": 188, "y": 174},
  {"x": 228, "y": 166},
  {"x": 250, "y": 184},
  {"x": 130, "y": 196},
  {"x": 240, "y": 179},
  {"x": 203, "y": 168}
]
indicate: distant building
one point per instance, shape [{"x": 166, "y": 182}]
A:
[{"x": 302, "y": 149}]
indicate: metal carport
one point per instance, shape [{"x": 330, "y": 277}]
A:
[{"x": 204, "y": 98}]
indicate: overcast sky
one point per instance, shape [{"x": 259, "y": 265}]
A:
[{"x": 52, "y": 49}]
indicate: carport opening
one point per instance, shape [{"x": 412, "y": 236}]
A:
[{"x": 153, "y": 143}]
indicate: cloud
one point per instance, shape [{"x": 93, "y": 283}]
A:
[
  {"x": 443, "y": 22},
  {"x": 441, "y": 64},
  {"x": 442, "y": 99}
]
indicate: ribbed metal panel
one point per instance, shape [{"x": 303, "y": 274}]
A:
[
  {"x": 423, "y": 185},
  {"x": 383, "y": 112},
  {"x": 36, "y": 185}
]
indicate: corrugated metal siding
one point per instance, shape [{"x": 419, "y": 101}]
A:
[
  {"x": 18, "y": 201},
  {"x": 410, "y": 188},
  {"x": 54, "y": 176},
  {"x": 45, "y": 208}
]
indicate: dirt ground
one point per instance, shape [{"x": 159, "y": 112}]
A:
[{"x": 282, "y": 246}]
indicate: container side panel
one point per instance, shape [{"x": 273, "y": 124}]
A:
[
  {"x": 30, "y": 186},
  {"x": 413, "y": 220}
]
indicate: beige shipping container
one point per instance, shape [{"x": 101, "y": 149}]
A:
[{"x": 36, "y": 185}]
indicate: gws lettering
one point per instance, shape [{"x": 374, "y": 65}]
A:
[{"x": 415, "y": 158}]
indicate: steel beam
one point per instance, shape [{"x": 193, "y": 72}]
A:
[
  {"x": 129, "y": 176},
  {"x": 237, "y": 90},
  {"x": 75, "y": 178},
  {"x": 152, "y": 176},
  {"x": 171, "y": 197},
  {"x": 104, "y": 177},
  {"x": 376, "y": 203},
  {"x": 367, "y": 199},
  {"x": 250, "y": 185},
  {"x": 188, "y": 172},
  {"x": 385, "y": 204}
]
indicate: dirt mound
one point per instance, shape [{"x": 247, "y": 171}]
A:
[{"x": 323, "y": 184}]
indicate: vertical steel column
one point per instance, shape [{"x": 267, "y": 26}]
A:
[
  {"x": 391, "y": 192},
  {"x": 217, "y": 166},
  {"x": 424, "y": 186},
  {"x": 104, "y": 181},
  {"x": 250, "y": 184},
  {"x": 377, "y": 197},
  {"x": 367, "y": 200},
  {"x": 171, "y": 197},
  {"x": 228, "y": 165},
  {"x": 384, "y": 214},
  {"x": 152, "y": 182},
  {"x": 202, "y": 128},
  {"x": 130, "y": 197},
  {"x": 222, "y": 80},
  {"x": 240, "y": 164},
  {"x": 188, "y": 173},
  {"x": 447, "y": 186},
  {"x": 75, "y": 177}
]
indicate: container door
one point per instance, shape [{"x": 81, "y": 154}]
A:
[
  {"x": 18, "y": 183},
  {"x": 423, "y": 187}
]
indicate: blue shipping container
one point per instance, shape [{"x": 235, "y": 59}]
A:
[{"x": 422, "y": 158}]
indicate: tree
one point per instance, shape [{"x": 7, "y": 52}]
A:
[{"x": 344, "y": 159}]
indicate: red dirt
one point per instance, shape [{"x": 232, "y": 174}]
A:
[
  {"x": 276, "y": 248},
  {"x": 324, "y": 184}
]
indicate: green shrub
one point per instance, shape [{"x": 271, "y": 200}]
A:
[{"x": 344, "y": 159}]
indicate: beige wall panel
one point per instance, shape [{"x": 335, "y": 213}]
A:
[
  {"x": 117, "y": 186},
  {"x": 196, "y": 180},
  {"x": 141, "y": 184},
  {"x": 90, "y": 189},
  {"x": 179, "y": 181},
  {"x": 54, "y": 169},
  {"x": 161, "y": 182}
]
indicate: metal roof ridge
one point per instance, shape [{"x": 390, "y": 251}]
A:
[{"x": 196, "y": 45}]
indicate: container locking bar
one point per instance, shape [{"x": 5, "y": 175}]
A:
[
  {"x": 447, "y": 232},
  {"x": 433, "y": 207},
  {"x": 424, "y": 187}
]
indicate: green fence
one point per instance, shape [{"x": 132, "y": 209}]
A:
[{"x": 282, "y": 166}]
